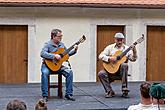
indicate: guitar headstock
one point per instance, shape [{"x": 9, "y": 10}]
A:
[
  {"x": 81, "y": 40},
  {"x": 141, "y": 39}
]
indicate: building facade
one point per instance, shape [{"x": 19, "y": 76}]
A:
[{"x": 37, "y": 23}]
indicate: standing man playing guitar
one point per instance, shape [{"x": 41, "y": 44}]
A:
[
  {"x": 47, "y": 53},
  {"x": 110, "y": 59}
]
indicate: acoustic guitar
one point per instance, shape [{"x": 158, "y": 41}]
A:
[
  {"x": 112, "y": 67},
  {"x": 54, "y": 64}
]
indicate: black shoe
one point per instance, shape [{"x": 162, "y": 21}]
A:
[
  {"x": 69, "y": 97},
  {"x": 110, "y": 94},
  {"x": 125, "y": 89},
  {"x": 45, "y": 98}
]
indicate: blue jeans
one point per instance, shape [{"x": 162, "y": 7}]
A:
[{"x": 66, "y": 72}]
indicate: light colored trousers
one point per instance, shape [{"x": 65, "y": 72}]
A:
[{"x": 107, "y": 78}]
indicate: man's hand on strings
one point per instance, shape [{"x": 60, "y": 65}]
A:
[
  {"x": 133, "y": 48},
  {"x": 57, "y": 57},
  {"x": 112, "y": 59}
]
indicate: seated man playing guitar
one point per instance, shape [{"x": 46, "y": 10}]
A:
[
  {"x": 115, "y": 67},
  {"x": 49, "y": 53}
]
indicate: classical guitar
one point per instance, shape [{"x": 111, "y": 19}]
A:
[
  {"x": 54, "y": 64},
  {"x": 112, "y": 67}
]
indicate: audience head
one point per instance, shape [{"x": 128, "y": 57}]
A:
[
  {"x": 41, "y": 105},
  {"x": 145, "y": 89},
  {"x": 157, "y": 91},
  {"x": 16, "y": 105}
]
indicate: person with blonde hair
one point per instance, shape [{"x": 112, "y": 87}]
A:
[{"x": 41, "y": 105}]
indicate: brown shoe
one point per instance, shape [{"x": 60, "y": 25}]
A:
[{"x": 110, "y": 94}]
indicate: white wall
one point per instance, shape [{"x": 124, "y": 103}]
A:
[{"x": 75, "y": 22}]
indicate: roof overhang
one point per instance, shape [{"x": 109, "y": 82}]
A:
[{"x": 83, "y": 5}]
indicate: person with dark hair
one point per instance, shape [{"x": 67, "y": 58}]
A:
[
  {"x": 48, "y": 52},
  {"x": 109, "y": 56},
  {"x": 145, "y": 103},
  {"x": 41, "y": 105},
  {"x": 16, "y": 105},
  {"x": 157, "y": 92}
]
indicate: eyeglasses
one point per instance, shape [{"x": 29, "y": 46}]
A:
[
  {"x": 119, "y": 39},
  {"x": 59, "y": 36}
]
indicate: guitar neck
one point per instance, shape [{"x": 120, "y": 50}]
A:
[
  {"x": 126, "y": 51},
  {"x": 69, "y": 49}
]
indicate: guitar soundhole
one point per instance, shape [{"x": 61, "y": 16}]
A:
[
  {"x": 61, "y": 55},
  {"x": 54, "y": 61}
]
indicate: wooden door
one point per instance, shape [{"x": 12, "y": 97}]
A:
[
  {"x": 155, "y": 53},
  {"x": 105, "y": 36},
  {"x": 13, "y": 54}
]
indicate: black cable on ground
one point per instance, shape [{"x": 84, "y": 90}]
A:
[{"x": 91, "y": 96}]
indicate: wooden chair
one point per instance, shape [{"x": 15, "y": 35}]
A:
[{"x": 53, "y": 85}]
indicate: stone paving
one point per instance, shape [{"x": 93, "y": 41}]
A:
[{"x": 89, "y": 95}]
